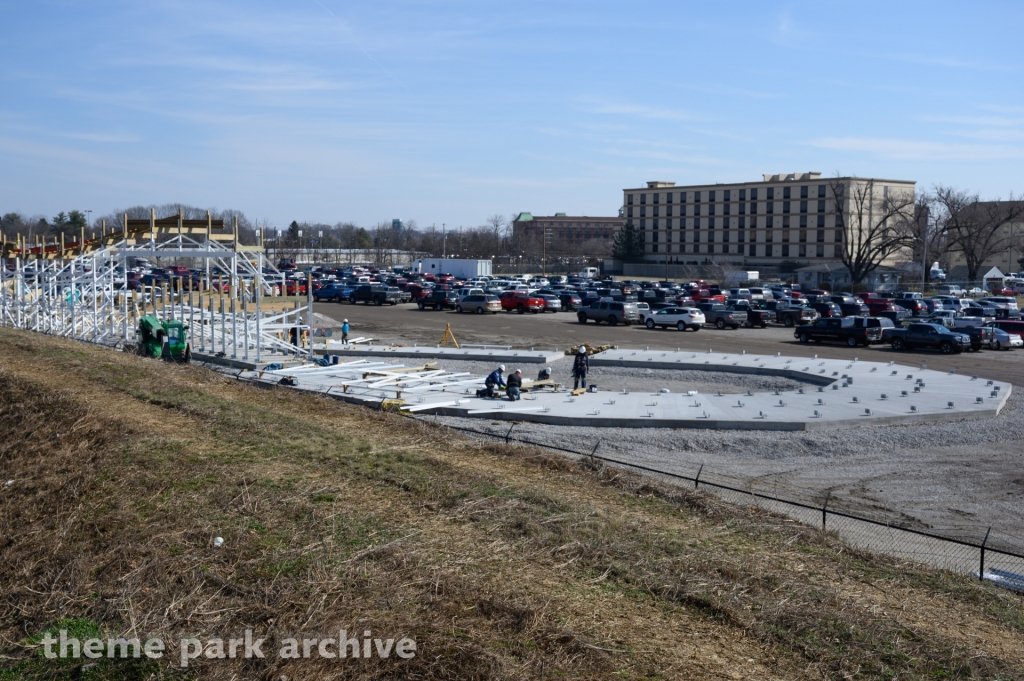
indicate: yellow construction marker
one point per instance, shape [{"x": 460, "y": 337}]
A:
[{"x": 448, "y": 335}]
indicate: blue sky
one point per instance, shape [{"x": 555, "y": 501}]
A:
[{"x": 324, "y": 110}]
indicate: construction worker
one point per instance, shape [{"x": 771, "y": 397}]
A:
[
  {"x": 515, "y": 384},
  {"x": 494, "y": 381},
  {"x": 544, "y": 374},
  {"x": 580, "y": 366},
  {"x": 344, "y": 332}
]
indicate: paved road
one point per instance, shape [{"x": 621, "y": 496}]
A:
[{"x": 407, "y": 324}]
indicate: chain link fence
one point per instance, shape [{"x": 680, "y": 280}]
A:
[{"x": 977, "y": 551}]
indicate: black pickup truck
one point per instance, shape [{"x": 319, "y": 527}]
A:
[
  {"x": 792, "y": 315},
  {"x": 757, "y": 313},
  {"x": 932, "y": 336},
  {"x": 842, "y": 329},
  {"x": 378, "y": 295}
]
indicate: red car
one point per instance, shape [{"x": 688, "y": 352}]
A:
[
  {"x": 294, "y": 287},
  {"x": 418, "y": 291},
  {"x": 876, "y": 305},
  {"x": 521, "y": 302}
]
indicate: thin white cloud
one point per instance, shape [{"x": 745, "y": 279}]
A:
[
  {"x": 647, "y": 112},
  {"x": 914, "y": 150},
  {"x": 102, "y": 137}
]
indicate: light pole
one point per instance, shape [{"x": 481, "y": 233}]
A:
[{"x": 444, "y": 241}]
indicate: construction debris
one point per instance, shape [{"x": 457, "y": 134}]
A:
[{"x": 591, "y": 349}]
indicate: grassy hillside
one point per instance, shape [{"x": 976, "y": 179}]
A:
[{"x": 500, "y": 562}]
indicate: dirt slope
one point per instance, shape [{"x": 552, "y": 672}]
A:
[{"x": 500, "y": 562}]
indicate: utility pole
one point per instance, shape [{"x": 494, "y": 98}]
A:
[{"x": 444, "y": 242}]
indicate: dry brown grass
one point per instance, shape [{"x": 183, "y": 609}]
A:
[{"x": 502, "y": 562}]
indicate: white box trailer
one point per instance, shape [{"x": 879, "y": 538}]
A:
[
  {"x": 458, "y": 267},
  {"x": 737, "y": 277}
]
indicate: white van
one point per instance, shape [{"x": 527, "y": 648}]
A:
[{"x": 589, "y": 272}]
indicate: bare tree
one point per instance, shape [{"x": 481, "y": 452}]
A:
[
  {"x": 975, "y": 228},
  {"x": 873, "y": 225}
]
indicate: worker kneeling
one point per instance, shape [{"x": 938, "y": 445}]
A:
[
  {"x": 495, "y": 381},
  {"x": 515, "y": 384}
]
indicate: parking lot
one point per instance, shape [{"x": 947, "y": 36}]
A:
[{"x": 406, "y": 324}]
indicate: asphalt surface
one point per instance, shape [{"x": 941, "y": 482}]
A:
[{"x": 407, "y": 324}]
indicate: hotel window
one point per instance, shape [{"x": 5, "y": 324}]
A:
[
  {"x": 803, "y": 235},
  {"x": 770, "y": 207},
  {"x": 740, "y": 236},
  {"x": 821, "y": 206},
  {"x": 743, "y": 223},
  {"x": 696, "y": 197},
  {"x": 725, "y": 208},
  {"x": 785, "y": 236},
  {"x": 711, "y": 208},
  {"x": 753, "y": 208},
  {"x": 655, "y": 236},
  {"x": 643, "y": 212},
  {"x": 629, "y": 199},
  {"x": 821, "y": 236},
  {"x": 743, "y": 195},
  {"x": 753, "y": 194},
  {"x": 696, "y": 237},
  {"x": 643, "y": 223},
  {"x": 743, "y": 209},
  {"x": 668, "y": 211},
  {"x": 785, "y": 193},
  {"x": 821, "y": 191},
  {"x": 803, "y": 250},
  {"x": 821, "y": 221},
  {"x": 839, "y": 219},
  {"x": 655, "y": 208},
  {"x": 785, "y": 205},
  {"x": 682, "y": 197},
  {"x": 803, "y": 206},
  {"x": 654, "y": 248},
  {"x": 643, "y": 199},
  {"x": 771, "y": 193},
  {"x": 711, "y": 196},
  {"x": 656, "y": 197},
  {"x": 785, "y": 251},
  {"x": 803, "y": 221},
  {"x": 753, "y": 250},
  {"x": 629, "y": 212},
  {"x": 753, "y": 235},
  {"x": 725, "y": 237},
  {"x": 769, "y": 235},
  {"x": 821, "y": 251},
  {"x": 668, "y": 197},
  {"x": 711, "y": 236},
  {"x": 696, "y": 209},
  {"x": 682, "y": 211},
  {"x": 839, "y": 236},
  {"x": 785, "y": 221},
  {"x": 803, "y": 192}
]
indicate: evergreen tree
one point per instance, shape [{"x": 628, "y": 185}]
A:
[{"x": 629, "y": 244}]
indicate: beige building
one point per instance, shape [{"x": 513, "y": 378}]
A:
[
  {"x": 1001, "y": 246},
  {"x": 576, "y": 234},
  {"x": 783, "y": 217}
]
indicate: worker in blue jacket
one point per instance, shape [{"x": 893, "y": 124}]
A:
[{"x": 495, "y": 381}]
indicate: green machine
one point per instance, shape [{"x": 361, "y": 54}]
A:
[{"x": 166, "y": 339}]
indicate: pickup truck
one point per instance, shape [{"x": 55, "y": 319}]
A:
[
  {"x": 521, "y": 302},
  {"x": 609, "y": 311},
  {"x": 791, "y": 314},
  {"x": 757, "y": 313},
  {"x": 335, "y": 292},
  {"x": 378, "y": 295},
  {"x": 846, "y": 330},
  {"x": 935, "y": 336},
  {"x": 952, "y": 319},
  {"x": 721, "y": 316}
]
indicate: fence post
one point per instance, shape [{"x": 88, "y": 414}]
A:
[
  {"x": 594, "y": 451},
  {"x": 981, "y": 566},
  {"x": 696, "y": 481},
  {"x": 509, "y": 433},
  {"x": 824, "y": 510}
]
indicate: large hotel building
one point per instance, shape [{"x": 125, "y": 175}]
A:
[{"x": 782, "y": 218}]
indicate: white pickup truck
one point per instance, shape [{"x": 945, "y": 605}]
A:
[{"x": 954, "y": 319}]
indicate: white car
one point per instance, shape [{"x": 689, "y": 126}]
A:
[
  {"x": 1005, "y": 341},
  {"x": 682, "y": 318}
]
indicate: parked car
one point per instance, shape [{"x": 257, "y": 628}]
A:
[
  {"x": 333, "y": 292},
  {"x": 1004, "y": 340},
  {"x": 376, "y": 294},
  {"x": 721, "y": 316},
  {"x": 826, "y": 309},
  {"x": 839, "y": 329},
  {"x": 682, "y": 318},
  {"x": 757, "y": 313},
  {"x": 932, "y": 336},
  {"x": 791, "y": 313},
  {"x": 439, "y": 299},
  {"x": 610, "y": 311},
  {"x": 521, "y": 302},
  {"x": 857, "y": 309},
  {"x": 551, "y": 302},
  {"x": 479, "y": 303}
]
